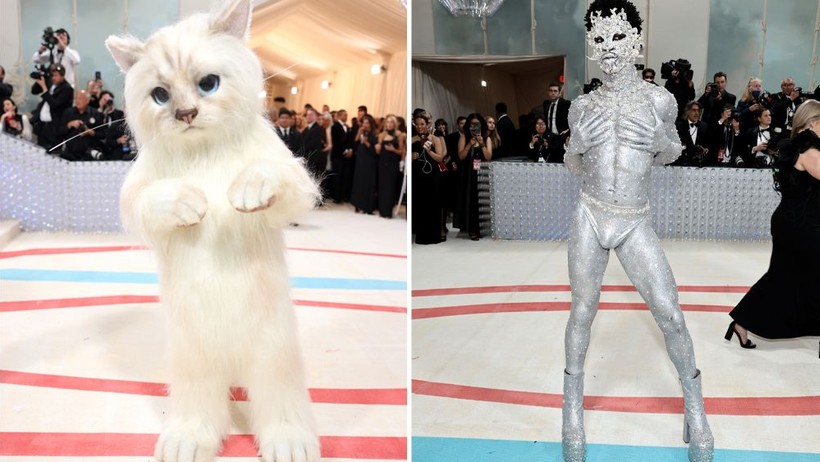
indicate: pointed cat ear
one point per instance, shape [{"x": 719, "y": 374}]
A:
[
  {"x": 232, "y": 17},
  {"x": 126, "y": 50}
]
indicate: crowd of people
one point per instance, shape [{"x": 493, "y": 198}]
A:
[
  {"x": 717, "y": 129},
  {"x": 361, "y": 163}
]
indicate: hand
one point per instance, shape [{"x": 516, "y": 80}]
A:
[
  {"x": 755, "y": 107},
  {"x": 123, "y": 139},
  {"x": 794, "y": 95},
  {"x": 428, "y": 144},
  {"x": 42, "y": 82},
  {"x": 719, "y": 96},
  {"x": 591, "y": 132},
  {"x": 62, "y": 41},
  {"x": 761, "y": 147},
  {"x": 641, "y": 135}
]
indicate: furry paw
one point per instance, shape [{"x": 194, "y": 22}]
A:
[
  {"x": 289, "y": 444},
  {"x": 176, "y": 447},
  {"x": 254, "y": 189},
  {"x": 177, "y": 206}
]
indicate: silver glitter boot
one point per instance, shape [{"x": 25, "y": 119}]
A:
[
  {"x": 696, "y": 430},
  {"x": 573, "y": 441}
]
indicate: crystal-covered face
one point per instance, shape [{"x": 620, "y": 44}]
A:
[{"x": 614, "y": 42}]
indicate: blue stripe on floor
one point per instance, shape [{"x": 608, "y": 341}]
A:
[
  {"x": 432, "y": 449},
  {"x": 151, "y": 278}
]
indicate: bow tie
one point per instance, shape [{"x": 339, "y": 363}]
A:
[
  {"x": 693, "y": 124},
  {"x": 764, "y": 130}
]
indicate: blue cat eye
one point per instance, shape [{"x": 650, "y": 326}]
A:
[
  {"x": 208, "y": 85},
  {"x": 160, "y": 95}
]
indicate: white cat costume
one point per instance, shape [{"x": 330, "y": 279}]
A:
[{"x": 210, "y": 191}]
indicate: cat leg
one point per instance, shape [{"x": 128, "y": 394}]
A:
[
  {"x": 162, "y": 206},
  {"x": 199, "y": 416},
  {"x": 283, "y": 189},
  {"x": 279, "y": 400}
]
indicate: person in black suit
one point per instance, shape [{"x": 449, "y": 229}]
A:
[
  {"x": 726, "y": 142},
  {"x": 784, "y": 105},
  {"x": 288, "y": 133},
  {"x": 505, "y": 128},
  {"x": 313, "y": 136},
  {"x": 83, "y": 131},
  {"x": 341, "y": 157},
  {"x": 715, "y": 98},
  {"x": 556, "y": 113},
  {"x": 761, "y": 140},
  {"x": 694, "y": 134},
  {"x": 55, "y": 101}
]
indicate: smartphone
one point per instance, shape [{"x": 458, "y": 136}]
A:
[{"x": 97, "y": 75}]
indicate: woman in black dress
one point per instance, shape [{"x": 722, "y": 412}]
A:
[
  {"x": 785, "y": 302},
  {"x": 474, "y": 147},
  {"x": 363, "y": 195},
  {"x": 14, "y": 123},
  {"x": 428, "y": 152},
  {"x": 390, "y": 147}
]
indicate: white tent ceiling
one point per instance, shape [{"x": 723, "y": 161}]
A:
[{"x": 324, "y": 36}]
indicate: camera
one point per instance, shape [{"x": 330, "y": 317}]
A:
[
  {"x": 683, "y": 66},
  {"x": 475, "y": 130},
  {"x": 49, "y": 38},
  {"x": 593, "y": 85},
  {"x": 764, "y": 98},
  {"x": 712, "y": 90},
  {"x": 539, "y": 140}
]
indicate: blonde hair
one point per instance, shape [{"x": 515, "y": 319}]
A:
[
  {"x": 807, "y": 113},
  {"x": 494, "y": 135},
  {"x": 390, "y": 117},
  {"x": 747, "y": 93}
]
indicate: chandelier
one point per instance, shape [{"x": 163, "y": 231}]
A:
[{"x": 474, "y": 8}]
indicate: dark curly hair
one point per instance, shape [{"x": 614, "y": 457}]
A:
[{"x": 605, "y": 8}]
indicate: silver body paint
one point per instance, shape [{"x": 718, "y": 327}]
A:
[{"x": 617, "y": 133}]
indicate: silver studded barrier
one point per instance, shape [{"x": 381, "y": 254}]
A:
[
  {"x": 46, "y": 193},
  {"x": 535, "y": 201}
]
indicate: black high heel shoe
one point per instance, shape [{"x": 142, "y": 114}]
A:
[{"x": 731, "y": 331}]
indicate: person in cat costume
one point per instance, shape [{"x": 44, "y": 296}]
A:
[
  {"x": 211, "y": 190},
  {"x": 617, "y": 133}
]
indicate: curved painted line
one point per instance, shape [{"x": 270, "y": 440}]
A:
[
  {"x": 564, "y": 288},
  {"x": 142, "y": 445},
  {"x": 375, "y": 396},
  {"x": 32, "y": 305},
  {"x": 44, "y": 275},
  {"x": 763, "y": 406},
  {"x": 520, "y": 307},
  {"x": 76, "y": 250}
]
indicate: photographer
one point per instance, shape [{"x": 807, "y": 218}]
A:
[
  {"x": 81, "y": 128},
  {"x": 54, "y": 49},
  {"x": 678, "y": 75},
  {"x": 474, "y": 147},
  {"x": 693, "y": 134},
  {"x": 56, "y": 99},
  {"x": 784, "y": 104},
  {"x": 538, "y": 149},
  {"x": 106, "y": 106},
  {"x": 715, "y": 98},
  {"x": 761, "y": 140},
  {"x": 753, "y": 100},
  {"x": 727, "y": 141}
]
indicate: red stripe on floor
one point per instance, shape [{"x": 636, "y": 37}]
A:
[
  {"x": 142, "y": 445},
  {"x": 769, "y": 406},
  {"x": 76, "y": 250},
  {"x": 30, "y": 305},
  {"x": 384, "y": 396},
  {"x": 519, "y": 307},
  {"x": 67, "y": 250},
  {"x": 563, "y": 288}
]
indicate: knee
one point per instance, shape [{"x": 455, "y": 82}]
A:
[
  {"x": 582, "y": 315},
  {"x": 672, "y": 320}
]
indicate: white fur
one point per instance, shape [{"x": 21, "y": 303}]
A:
[{"x": 211, "y": 200}]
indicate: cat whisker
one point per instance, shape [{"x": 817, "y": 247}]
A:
[{"x": 81, "y": 134}]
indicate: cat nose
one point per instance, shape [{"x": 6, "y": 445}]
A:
[{"x": 186, "y": 115}]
